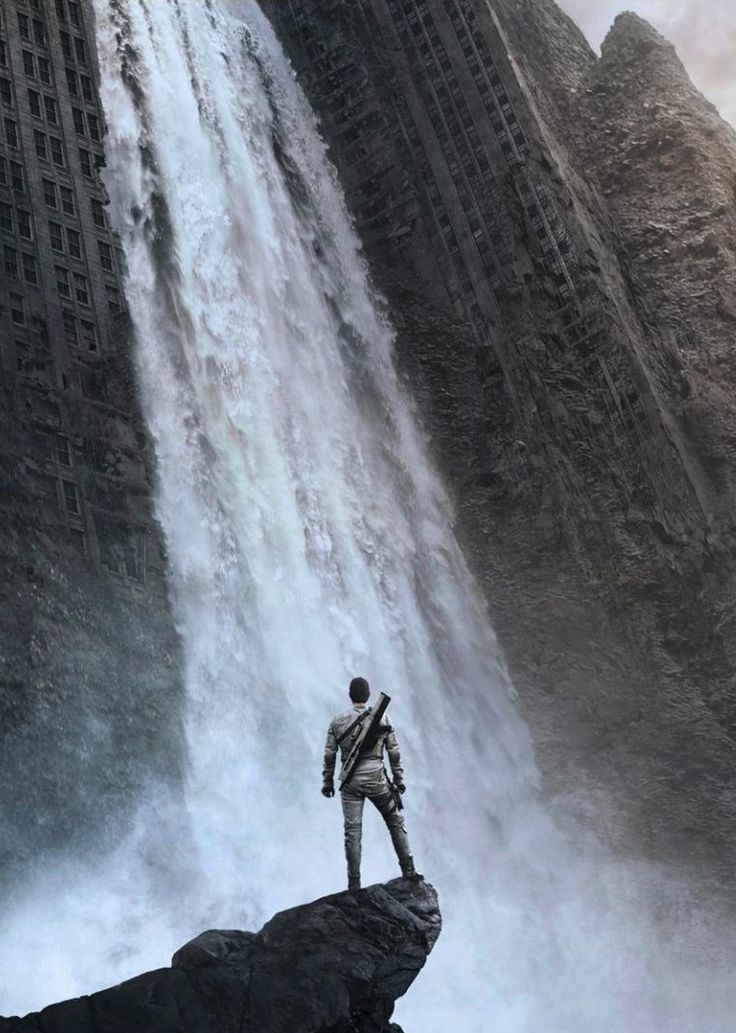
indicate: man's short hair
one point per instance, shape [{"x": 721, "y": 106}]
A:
[{"x": 360, "y": 690}]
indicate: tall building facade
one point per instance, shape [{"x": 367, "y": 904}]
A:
[
  {"x": 549, "y": 383},
  {"x": 65, "y": 351},
  {"x": 85, "y": 609}
]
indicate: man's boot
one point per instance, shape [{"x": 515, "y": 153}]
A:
[
  {"x": 408, "y": 871},
  {"x": 353, "y": 883}
]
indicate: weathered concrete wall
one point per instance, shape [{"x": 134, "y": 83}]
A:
[
  {"x": 88, "y": 656},
  {"x": 488, "y": 188}
]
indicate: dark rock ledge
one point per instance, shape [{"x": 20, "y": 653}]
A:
[{"x": 336, "y": 965}]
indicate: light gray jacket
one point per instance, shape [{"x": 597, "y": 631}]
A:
[{"x": 372, "y": 759}]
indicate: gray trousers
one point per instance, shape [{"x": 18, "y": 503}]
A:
[{"x": 372, "y": 785}]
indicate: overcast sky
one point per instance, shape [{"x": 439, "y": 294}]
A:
[{"x": 704, "y": 32}]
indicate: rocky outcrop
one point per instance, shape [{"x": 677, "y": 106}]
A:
[{"x": 336, "y": 965}]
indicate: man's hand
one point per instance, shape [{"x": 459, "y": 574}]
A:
[
  {"x": 328, "y": 789},
  {"x": 400, "y": 787}
]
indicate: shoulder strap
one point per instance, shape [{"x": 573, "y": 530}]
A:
[{"x": 354, "y": 725}]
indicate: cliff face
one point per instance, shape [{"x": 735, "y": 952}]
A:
[
  {"x": 546, "y": 227},
  {"x": 336, "y": 965}
]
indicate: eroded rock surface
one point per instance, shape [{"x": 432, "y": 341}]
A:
[{"x": 336, "y": 965}]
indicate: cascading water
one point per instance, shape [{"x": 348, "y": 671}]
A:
[{"x": 310, "y": 540}]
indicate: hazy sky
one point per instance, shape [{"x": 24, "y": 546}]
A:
[{"x": 704, "y": 32}]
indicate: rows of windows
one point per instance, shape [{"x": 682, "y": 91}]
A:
[
  {"x": 454, "y": 126},
  {"x": 538, "y": 205}
]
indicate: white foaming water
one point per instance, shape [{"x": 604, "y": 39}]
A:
[{"x": 310, "y": 540}]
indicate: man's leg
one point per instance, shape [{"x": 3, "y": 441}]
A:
[
  {"x": 352, "y": 810},
  {"x": 384, "y": 800}
]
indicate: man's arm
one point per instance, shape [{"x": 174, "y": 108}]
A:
[
  {"x": 328, "y": 768},
  {"x": 394, "y": 758}
]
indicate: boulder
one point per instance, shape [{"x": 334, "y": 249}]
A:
[{"x": 336, "y": 965}]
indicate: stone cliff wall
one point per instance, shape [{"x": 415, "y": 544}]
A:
[{"x": 515, "y": 198}]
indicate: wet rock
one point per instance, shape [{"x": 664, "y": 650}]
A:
[{"x": 336, "y": 965}]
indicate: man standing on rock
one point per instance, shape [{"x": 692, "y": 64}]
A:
[{"x": 368, "y": 780}]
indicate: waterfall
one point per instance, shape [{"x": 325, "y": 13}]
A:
[{"x": 310, "y": 539}]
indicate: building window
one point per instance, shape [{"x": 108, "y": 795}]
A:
[
  {"x": 105, "y": 256},
  {"x": 66, "y": 45},
  {"x": 50, "y": 105},
  {"x": 44, "y": 71},
  {"x": 81, "y": 289},
  {"x": 3, "y": 53},
  {"x": 6, "y": 93},
  {"x": 39, "y": 32},
  {"x": 74, "y": 243},
  {"x": 24, "y": 26},
  {"x": 94, "y": 127},
  {"x": 86, "y": 84},
  {"x": 113, "y": 300},
  {"x": 62, "y": 282},
  {"x": 49, "y": 193},
  {"x": 29, "y": 64},
  {"x": 57, "y": 242},
  {"x": 34, "y": 99},
  {"x": 6, "y": 217},
  {"x": 11, "y": 261},
  {"x": 17, "y": 309},
  {"x": 89, "y": 335},
  {"x": 71, "y": 497},
  {"x": 75, "y": 16},
  {"x": 57, "y": 151},
  {"x": 3, "y": 171},
  {"x": 70, "y": 326},
  {"x": 11, "y": 133},
  {"x": 67, "y": 200},
  {"x": 76, "y": 537},
  {"x": 24, "y": 224},
  {"x": 41, "y": 145},
  {"x": 79, "y": 121},
  {"x": 63, "y": 451},
  {"x": 71, "y": 81},
  {"x": 23, "y": 364},
  {"x": 86, "y": 163},
  {"x": 17, "y": 178},
  {"x": 60, "y": 10},
  {"x": 81, "y": 49},
  {"x": 29, "y": 269},
  {"x": 98, "y": 213}
]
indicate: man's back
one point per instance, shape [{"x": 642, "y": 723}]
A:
[{"x": 339, "y": 735}]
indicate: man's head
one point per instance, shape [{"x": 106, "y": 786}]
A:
[{"x": 359, "y": 690}]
